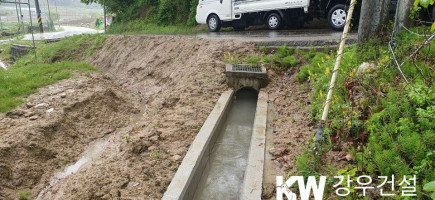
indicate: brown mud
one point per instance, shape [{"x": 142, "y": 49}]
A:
[{"x": 146, "y": 103}]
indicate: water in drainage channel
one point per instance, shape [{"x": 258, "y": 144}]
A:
[{"x": 223, "y": 176}]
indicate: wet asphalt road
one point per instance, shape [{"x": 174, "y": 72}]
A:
[
  {"x": 317, "y": 34},
  {"x": 66, "y": 32}
]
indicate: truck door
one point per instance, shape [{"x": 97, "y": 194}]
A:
[{"x": 226, "y": 10}]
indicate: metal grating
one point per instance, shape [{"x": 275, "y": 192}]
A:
[{"x": 246, "y": 68}]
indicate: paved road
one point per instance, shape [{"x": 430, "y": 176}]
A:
[
  {"x": 317, "y": 34},
  {"x": 302, "y": 38},
  {"x": 67, "y": 31}
]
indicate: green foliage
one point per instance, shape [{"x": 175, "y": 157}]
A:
[
  {"x": 54, "y": 62},
  {"x": 20, "y": 81},
  {"x": 310, "y": 71},
  {"x": 289, "y": 61},
  {"x": 424, "y": 4},
  {"x": 253, "y": 60},
  {"x": 71, "y": 48},
  {"x": 23, "y": 195},
  {"x": 304, "y": 166},
  {"x": 146, "y": 27},
  {"x": 159, "y": 12},
  {"x": 375, "y": 107},
  {"x": 283, "y": 51},
  {"x": 262, "y": 49}
]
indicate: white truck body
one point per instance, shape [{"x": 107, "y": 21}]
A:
[{"x": 228, "y": 10}]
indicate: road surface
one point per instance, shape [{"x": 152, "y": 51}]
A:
[
  {"x": 300, "y": 38},
  {"x": 67, "y": 31}
]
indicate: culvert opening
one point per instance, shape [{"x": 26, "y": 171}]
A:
[{"x": 223, "y": 176}]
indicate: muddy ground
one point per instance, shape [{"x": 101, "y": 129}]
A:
[{"x": 147, "y": 102}]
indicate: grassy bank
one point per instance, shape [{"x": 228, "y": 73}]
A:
[
  {"x": 54, "y": 62},
  {"x": 388, "y": 123},
  {"x": 140, "y": 26}
]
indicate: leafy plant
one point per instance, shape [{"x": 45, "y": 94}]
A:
[
  {"x": 23, "y": 195},
  {"x": 253, "y": 60},
  {"x": 289, "y": 61},
  {"x": 430, "y": 187}
]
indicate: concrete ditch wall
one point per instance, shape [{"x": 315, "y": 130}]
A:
[
  {"x": 253, "y": 182},
  {"x": 183, "y": 184}
]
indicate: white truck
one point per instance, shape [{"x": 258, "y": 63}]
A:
[
  {"x": 274, "y": 13},
  {"x": 243, "y": 13}
]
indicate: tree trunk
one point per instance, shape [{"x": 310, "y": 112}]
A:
[
  {"x": 374, "y": 14},
  {"x": 402, "y": 15}
]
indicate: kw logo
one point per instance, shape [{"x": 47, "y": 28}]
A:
[{"x": 304, "y": 191}]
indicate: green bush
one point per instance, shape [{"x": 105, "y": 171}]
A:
[
  {"x": 289, "y": 61},
  {"x": 253, "y": 60},
  {"x": 283, "y": 51},
  {"x": 376, "y": 109},
  {"x": 23, "y": 195}
]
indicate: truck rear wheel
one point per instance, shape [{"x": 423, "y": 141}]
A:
[
  {"x": 337, "y": 17},
  {"x": 214, "y": 23},
  {"x": 274, "y": 21}
]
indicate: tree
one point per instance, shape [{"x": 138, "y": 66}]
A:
[
  {"x": 402, "y": 15},
  {"x": 374, "y": 14}
]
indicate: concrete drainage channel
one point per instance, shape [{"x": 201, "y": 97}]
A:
[{"x": 225, "y": 161}]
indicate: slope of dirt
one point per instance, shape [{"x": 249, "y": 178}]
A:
[
  {"x": 154, "y": 96},
  {"x": 177, "y": 81},
  {"x": 289, "y": 129},
  {"x": 52, "y": 128}
]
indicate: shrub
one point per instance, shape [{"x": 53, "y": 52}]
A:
[
  {"x": 283, "y": 51},
  {"x": 23, "y": 195},
  {"x": 289, "y": 61},
  {"x": 253, "y": 60}
]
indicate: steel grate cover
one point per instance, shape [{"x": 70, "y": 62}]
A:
[{"x": 246, "y": 68}]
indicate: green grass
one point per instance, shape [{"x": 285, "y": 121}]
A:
[
  {"x": 390, "y": 123},
  {"x": 54, "y": 62},
  {"x": 23, "y": 195},
  {"x": 19, "y": 82},
  {"x": 144, "y": 27},
  {"x": 71, "y": 48}
]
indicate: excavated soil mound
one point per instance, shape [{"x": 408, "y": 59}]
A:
[
  {"x": 53, "y": 128},
  {"x": 174, "y": 80}
]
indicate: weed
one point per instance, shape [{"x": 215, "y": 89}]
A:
[
  {"x": 127, "y": 138},
  {"x": 289, "y": 61},
  {"x": 283, "y": 51},
  {"x": 376, "y": 108},
  {"x": 23, "y": 195},
  {"x": 253, "y": 60},
  {"x": 146, "y": 27},
  {"x": 262, "y": 49}
]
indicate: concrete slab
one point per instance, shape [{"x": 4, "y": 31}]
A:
[
  {"x": 253, "y": 182},
  {"x": 182, "y": 185}
]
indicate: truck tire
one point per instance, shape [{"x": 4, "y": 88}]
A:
[
  {"x": 274, "y": 21},
  {"x": 337, "y": 17},
  {"x": 214, "y": 23}
]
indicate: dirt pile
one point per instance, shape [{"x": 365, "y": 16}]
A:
[
  {"x": 175, "y": 80},
  {"x": 146, "y": 104},
  {"x": 53, "y": 127}
]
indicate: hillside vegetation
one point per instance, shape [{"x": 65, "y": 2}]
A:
[{"x": 160, "y": 12}]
